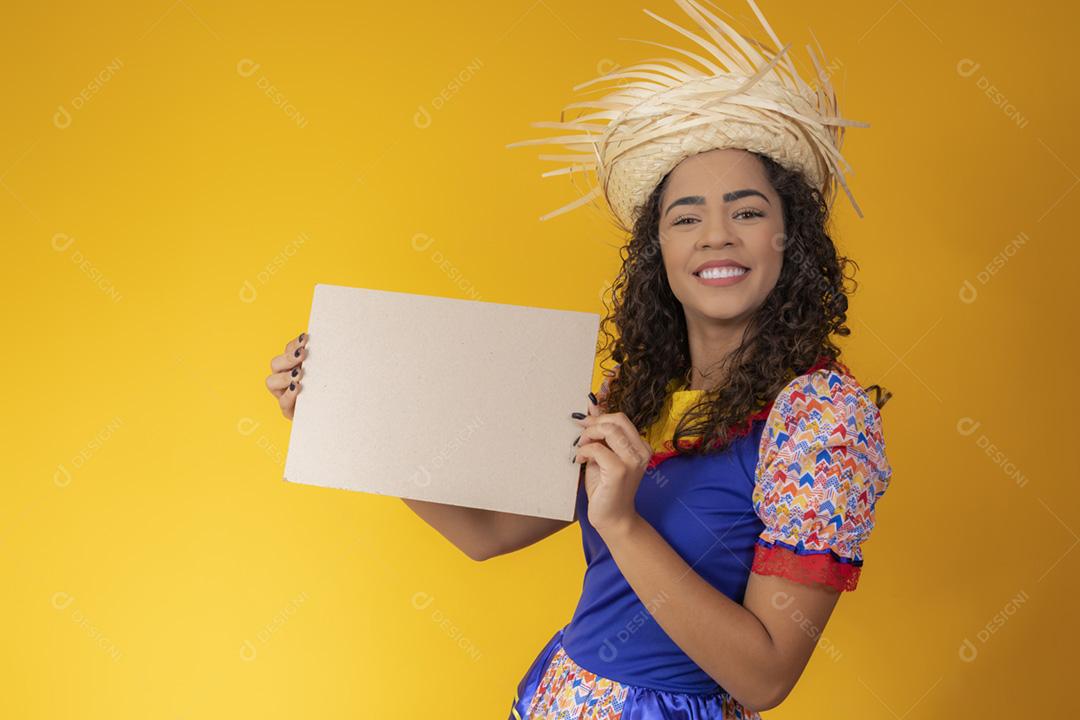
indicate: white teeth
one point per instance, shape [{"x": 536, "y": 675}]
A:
[{"x": 726, "y": 271}]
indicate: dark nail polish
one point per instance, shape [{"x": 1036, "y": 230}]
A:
[
  {"x": 593, "y": 398},
  {"x": 295, "y": 371},
  {"x": 578, "y": 438},
  {"x": 578, "y": 416},
  {"x": 292, "y": 386},
  {"x": 297, "y": 353},
  {"x": 301, "y": 338}
]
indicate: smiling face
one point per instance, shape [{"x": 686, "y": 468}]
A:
[{"x": 719, "y": 207}]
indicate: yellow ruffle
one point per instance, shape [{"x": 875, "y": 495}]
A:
[{"x": 659, "y": 435}]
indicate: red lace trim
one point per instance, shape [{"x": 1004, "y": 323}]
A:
[{"x": 821, "y": 569}]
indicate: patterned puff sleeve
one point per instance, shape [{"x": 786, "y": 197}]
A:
[{"x": 821, "y": 469}]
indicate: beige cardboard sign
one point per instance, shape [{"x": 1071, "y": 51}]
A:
[{"x": 453, "y": 401}]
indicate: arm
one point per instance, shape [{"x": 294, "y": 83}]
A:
[
  {"x": 484, "y": 534},
  {"x": 520, "y": 531},
  {"x": 468, "y": 529},
  {"x": 756, "y": 651},
  {"x": 480, "y": 534}
]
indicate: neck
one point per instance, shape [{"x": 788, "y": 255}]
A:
[{"x": 710, "y": 344}]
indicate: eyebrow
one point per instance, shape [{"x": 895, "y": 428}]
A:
[{"x": 728, "y": 197}]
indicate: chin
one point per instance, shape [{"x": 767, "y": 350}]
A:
[{"x": 722, "y": 314}]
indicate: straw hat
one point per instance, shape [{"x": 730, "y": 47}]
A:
[{"x": 658, "y": 112}]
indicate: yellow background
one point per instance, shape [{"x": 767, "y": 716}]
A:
[{"x": 162, "y": 242}]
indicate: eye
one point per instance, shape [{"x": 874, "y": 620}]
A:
[
  {"x": 749, "y": 212},
  {"x": 741, "y": 214}
]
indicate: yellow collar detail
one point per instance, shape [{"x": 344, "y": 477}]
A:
[{"x": 659, "y": 435}]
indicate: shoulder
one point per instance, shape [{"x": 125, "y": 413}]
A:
[
  {"x": 821, "y": 470},
  {"x": 827, "y": 406}
]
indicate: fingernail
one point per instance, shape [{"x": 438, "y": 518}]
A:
[
  {"x": 297, "y": 353},
  {"x": 593, "y": 398},
  {"x": 292, "y": 386},
  {"x": 295, "y": 371},
  {"x": 578, "y": 416},
  {"x": 301, "y": 338},
  {"x": 578, "y": 438}
]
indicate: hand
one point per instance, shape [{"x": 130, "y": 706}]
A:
[
  {"x": 616, "y": 458},
  {"x": 284, "y": 382}
]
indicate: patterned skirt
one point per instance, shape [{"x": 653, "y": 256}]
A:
[{"x": 556, "y": 688}]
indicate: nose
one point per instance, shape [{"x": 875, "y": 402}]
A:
[{"x": 716, "y": 233}]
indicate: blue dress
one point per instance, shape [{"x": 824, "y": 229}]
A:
[{"x": 792, "y": 496}]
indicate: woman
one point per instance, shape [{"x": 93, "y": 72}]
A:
[
  {"x": 732, "y": 463},
  {"x": 712, "y": 572}
]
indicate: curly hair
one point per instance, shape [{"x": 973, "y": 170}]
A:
[{"x": 784, "y": 338}]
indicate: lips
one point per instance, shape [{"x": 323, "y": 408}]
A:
[
  {"x": 722, "y": 275},
  {"x": 719, "y": 263},
  {"x": 730, "y": 272}
]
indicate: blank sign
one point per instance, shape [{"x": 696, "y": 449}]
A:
[{"x": 453, "y": 401}]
